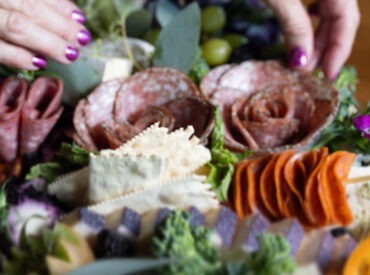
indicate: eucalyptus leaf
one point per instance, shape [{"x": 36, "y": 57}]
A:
[
  {"x": 125, "y": 7},
  {"x": 78, "y": 78},
  {"x": 177, "y": 43},
  {"x": 137, "y": 23},
  {"x": 164, "y": 12},
  {"x": 120, "y": 266}
]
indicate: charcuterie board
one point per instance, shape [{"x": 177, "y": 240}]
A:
[{"x": 227, "y": 164}]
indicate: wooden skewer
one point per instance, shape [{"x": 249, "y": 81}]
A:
[{"x": 357, "y": 180}]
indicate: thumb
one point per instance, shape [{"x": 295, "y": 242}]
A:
[{"x": 297, "y": 30}]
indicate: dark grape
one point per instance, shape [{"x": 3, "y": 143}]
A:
[{"x": 245, "y": 52}]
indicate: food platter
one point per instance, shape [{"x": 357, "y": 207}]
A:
[{"x": 190, "y": 165}]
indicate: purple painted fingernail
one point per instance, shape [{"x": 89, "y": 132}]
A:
[
  {"x": 39, "y": 62},
  {"x": 83, "y": 37},
  {"x": 78, "y": 16},
  {"x": 297, "y": 58},
  {"x": 334, "y": 76},
  {"x": 71, "y": 53}
]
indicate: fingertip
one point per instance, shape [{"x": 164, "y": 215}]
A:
[{"x": 298, "y": 58}]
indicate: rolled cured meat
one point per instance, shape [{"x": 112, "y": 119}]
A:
[
  {"x": 12, "y": 97},
  {"x": 40, "y": 112}
]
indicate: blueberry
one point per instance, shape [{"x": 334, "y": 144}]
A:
[
  {"x": 338, "y": 231},
  {"x": 111, "y": 244}
]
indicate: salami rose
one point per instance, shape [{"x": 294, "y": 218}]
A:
[
  {"x": 267, "y": 107},
  {"x": 161, "y": 95}
]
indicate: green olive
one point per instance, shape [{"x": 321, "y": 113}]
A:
[
  {"x": 151, "y": 35},
  {"x": 216, "y": 51},
  {"x": 213, "y": 19},
  {"x": 235, "y": 40}
]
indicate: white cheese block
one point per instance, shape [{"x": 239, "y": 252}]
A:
[
  {"x": 307, "y": 269},
  {"x": 182, "y": 193},
  {"x": 114, "y": 175},
  {"x": 117, "y": 68},
  {"x": 71, "y": 189}
]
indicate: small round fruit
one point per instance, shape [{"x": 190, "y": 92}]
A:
[
  {"x": 235, "y": 40},
  {"x": 216, "y": 51},
  {"x": 151, "y": 35},
  {"x": 213, "y": 19}
]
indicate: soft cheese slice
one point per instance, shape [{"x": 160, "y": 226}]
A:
[
  {"x": 71, "y": 189},
  {"x": 116, "y": 174},
  {"x": 181, "y": 148},
  {"x": 181, "y": 193},
  {"x": 358, "y": 196}
]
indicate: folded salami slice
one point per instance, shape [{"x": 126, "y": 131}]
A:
[
  {"x": 40, "y": 112},
  {"x": 12, "y": 97},
  {"x": 154, "y": 86}
]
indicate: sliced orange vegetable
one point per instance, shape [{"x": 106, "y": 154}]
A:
[
  {"x": 254, "y": 172},
  {"x": 359, "y": 260},
  {"x": 334, "y": 171},
  {"x": 281, "y": 194},
  {"x": 237, "y": 193},
  {"x": 295, "y": 174},
  {"x": 312, "y": 203},
  {"x": 268, "y": 188}
]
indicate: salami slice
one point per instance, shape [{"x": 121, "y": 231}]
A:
[
  {"x": 154, "y": 86},
  {"x": 209, "y": 82},
  {"x": 40, "y": 112},
  {"x": 12, "y": 97},
  {"x": 193, "y": 111}
]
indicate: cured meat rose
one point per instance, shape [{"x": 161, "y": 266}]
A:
[
  {"x": 162, "y": 95},
  {"x": 12, "y": 97},
  {"x": 40, "y": 112},
  {"x": 266, "y": 107}
]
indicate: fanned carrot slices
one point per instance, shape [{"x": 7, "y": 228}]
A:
[{"x": 307, "y": 185}]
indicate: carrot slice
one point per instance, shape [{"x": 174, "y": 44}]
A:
[
  {"x": 279, "y": 180},
  {"x": 254, "y": 172},
  {"x": 268, "y": 188},
  {"x": 359, "y": 260},
  {"x": 312, "y": 203},
  {"x": 334, "y": 172},
  {"x": 239, "y": 181}
]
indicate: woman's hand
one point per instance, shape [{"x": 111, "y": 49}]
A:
[
  {"x": 31, "y": 30},
  {"x": 331, "y": 44}
]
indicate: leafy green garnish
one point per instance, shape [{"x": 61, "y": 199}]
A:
[
  {"x": 200, "y": 67},
  {"x": 272, "y": 258},
  {"x": 178, "y": 41},
  {"x": 341, "y": 134},
  {"x": 3, "y": 208},
  {"x": 222, "y": 160},
  {"x": 190, "y": 247},
  {"x": 69, "y": 158}
]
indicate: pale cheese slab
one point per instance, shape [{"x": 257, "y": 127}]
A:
[{"x": 117, "y": 174}]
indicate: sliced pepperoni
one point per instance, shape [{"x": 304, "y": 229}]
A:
[
  {"x": 12, "y": 96},
  {"x": 40, "y": 112},
  {"x": 82, "y": 136}
]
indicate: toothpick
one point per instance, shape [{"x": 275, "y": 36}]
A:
[{"x": 357, "y": 180}]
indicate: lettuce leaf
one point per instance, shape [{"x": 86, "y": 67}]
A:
[
  {"x": 222, "y": 160},
  {"x": 69, "y": 158}
]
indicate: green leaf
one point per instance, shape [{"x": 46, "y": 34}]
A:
[
  {"x": 125, "y": 7},
  {"x": 137, "y": 23},
  {"x": 78, "y": 78},
  {"x": 120, "y": 266},
  {"x": 165, "y": 10},
  {"x": 48, "y": 171},
  {"x": 177, "y": 43}
]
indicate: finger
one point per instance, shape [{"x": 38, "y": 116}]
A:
[
  {"x": 343, "y": 27},
  {"x": 297, "y": 30},
  {"x": 320, "y": 42},
  {"x": 51, "y": 19},
  {"x": 68, "y": 9},
  {"x": 18, "y": 29},
  {"x": 18, "y": 57}
]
